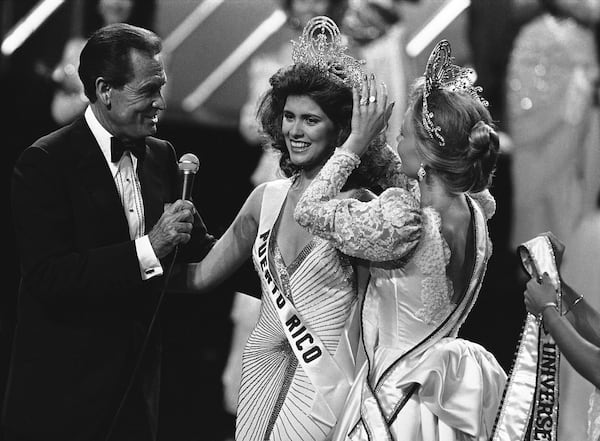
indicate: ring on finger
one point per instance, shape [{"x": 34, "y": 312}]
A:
[
  {"x": 364, "y": 101},
  {"x": 372, "y": 99}
]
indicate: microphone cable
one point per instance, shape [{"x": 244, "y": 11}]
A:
[{"x": 138, "y": 362}]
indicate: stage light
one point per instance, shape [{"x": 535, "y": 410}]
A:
[
  {"x": 28, "y": 25},
  {"x": 442, "y": 18},
  {"x": 217, "y": 77}
]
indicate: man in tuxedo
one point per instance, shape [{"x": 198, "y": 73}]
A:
[{"x": 98, "y": 225}]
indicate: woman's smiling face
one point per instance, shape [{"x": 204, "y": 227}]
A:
[{"x": 309, "y": 133}]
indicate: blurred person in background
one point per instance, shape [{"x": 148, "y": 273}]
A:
[
  {"x": 69, "y": 100},
  {"x": 552, "y": 116},
  {"x": 377, "y": 29},
  {"x": 553, "y": 121}
]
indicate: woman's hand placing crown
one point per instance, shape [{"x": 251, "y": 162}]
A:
[{"x": 370, "y": 114}]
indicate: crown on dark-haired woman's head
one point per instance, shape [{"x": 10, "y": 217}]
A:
[
  {"x": 321, "y": 45},
  {"x": 442, "y": 74}
]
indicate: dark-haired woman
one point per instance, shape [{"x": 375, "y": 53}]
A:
[
  {"x": 419, "y": 381},
  {"x": 298, "y": 363},
  {"x": 69, "y": 99}
]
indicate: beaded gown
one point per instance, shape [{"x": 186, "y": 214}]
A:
[
  {"x": 419, "y": 381},
  {"x": 553, "y": 122},
  {"x": 286, "y": 395}
]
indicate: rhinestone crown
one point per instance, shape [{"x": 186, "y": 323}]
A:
[
  {"x": 442, "y": 74},
  {"x": 321, "y": 45}
]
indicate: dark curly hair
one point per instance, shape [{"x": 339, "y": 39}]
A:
[
  {"x": 335, "y": 99},
  {"x": 467, "y": 162}
]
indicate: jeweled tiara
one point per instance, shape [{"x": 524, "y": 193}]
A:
[
  {"x": 321, "y": 45},
  {"x": 440, "y": 73}
]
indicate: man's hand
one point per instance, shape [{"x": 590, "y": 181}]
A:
[{"x": 173, "y": 228}]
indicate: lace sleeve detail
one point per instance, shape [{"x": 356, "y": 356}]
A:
[
  {"x": 432, "y": 258},
  {"x": 383, "y": 229},
  {"x": 390, "y": 174},
  {"x": 486, "y": 201}
]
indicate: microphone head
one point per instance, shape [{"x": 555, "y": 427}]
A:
[{"x": 189, "y": 163}]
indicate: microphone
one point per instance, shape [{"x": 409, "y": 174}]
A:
[{"x": 188, "y": 166}]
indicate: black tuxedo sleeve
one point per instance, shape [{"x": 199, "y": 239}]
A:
[
  {"x": 199, "y": 245},
  {"x": 71, "y": 252}
]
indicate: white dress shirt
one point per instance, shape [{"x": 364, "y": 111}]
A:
[{"x": 127, "y": 183}]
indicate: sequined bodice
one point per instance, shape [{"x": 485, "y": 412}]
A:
[
  {"x": 319, "y": 281},
  {"x": 277, "y": 398}
]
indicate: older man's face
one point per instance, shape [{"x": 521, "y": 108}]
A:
[{"x": 134, "y": 108}]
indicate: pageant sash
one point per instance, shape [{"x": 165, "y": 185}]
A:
[
  {"x": 329, "y": 379},
  {"x": 382, "y": 403},
  {"x": 529, "y": 409}
]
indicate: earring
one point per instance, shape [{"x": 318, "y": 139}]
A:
[{"x": 421, "y": 173}]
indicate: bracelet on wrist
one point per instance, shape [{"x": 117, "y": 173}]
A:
[
  {"x": 576, "y": 301},
  {"x": 540, "y": 315}
]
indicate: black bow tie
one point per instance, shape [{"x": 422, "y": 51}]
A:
[{"x": 118, "y": 146}]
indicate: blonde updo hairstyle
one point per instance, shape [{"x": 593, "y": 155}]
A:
[{"x": 467, "y": 161}]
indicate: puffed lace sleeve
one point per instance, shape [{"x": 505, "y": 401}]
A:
[
  {"x": 486, "y": 201},
  {"x": 388, "y": 165},
  {"x": 383, "y": 229}
]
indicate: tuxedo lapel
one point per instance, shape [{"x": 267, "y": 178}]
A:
[
  {"x": 152, "y": 172},
  {"x": 92, "y": 171}
]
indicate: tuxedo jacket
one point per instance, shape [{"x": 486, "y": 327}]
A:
[{"x": 83, "y": 309}]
